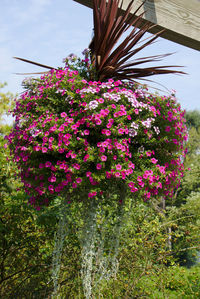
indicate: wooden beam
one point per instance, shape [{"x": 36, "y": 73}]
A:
[{"x": 180, "y": 18}]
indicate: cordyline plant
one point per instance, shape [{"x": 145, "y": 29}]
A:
[{"x": 88, "y": 130}]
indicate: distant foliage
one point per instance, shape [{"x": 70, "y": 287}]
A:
[
  {"x": 6, "y": 103},
  {"x": 193, "y": 119}
]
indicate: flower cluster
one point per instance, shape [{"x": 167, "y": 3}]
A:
[{"x": 86, "y": 137}]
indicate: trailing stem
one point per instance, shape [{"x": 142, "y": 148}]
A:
[
  {"x": 59, "y": 238},
  {"x": 88, "y": 249},
  {"x": 100, "y": 241}
]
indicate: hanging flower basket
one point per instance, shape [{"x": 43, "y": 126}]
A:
[{"x": 87, "y": 138}]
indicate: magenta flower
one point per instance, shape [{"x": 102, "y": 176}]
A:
[
  {"x": 61, "y": 129},
  {"x": 117, "y": 174},
  {"x": 108, "y": 133},
  {"x": 76, "y": 166},
  {"x": 101, "y": 100},
  {"x": 61, "y": 150},
  {"x": 131, "y": 184},
  {"x": 102, "y": 150},
  {"x": 131, "y": 165},
  {"x": 148, "y": 154},
  {"x": 136, "y": 111},
  {"x": 98, "y": 166},
  {"x": 92, "y": 194},
  {"x": 51, "y": 188},
  {"x": 44, "y": 149},
  {"x": 103, "y": 158},
  {"x": 51, "y": 139},
  {"x": 63, "y": 114},
  {"x": 118, "y": 166},
  {"x": 154, "y": 161},
  {"x": 48, "y": 164},
  {"x": 79, "y": 180},
  {"x": 147, "y": 195},
  {"x": 121, "y": 131},
  {"x": 86, "y": 132},
  {"x": 98, "y": 122},
  {"x": 52, "y": 179},
  {"x": 134, "y": 189},
  {"x": 74, "y": 185},
  {"x": 86, "y": 157}
]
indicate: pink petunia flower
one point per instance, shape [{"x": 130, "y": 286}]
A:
[
  {"x": 121, "y": 131},
  {"x": 117, "y": 174},
  {"x": 131, "y": 184},
  {"x": 44, "y": 149},
  {"x": 154, "y": 161},
  {"x": 98, "y": 166},
  {"x": 63, "y": 114},
  {"x": 118, "y": 166},
  {"x": 48, "y": 164},
  {"x": 86, "y": 132},
  {"x": 88, "y": 174},
  {"x": 86, "y": 157},
  {"x": 103, "y": 158},
  {"x": 74, "y": 185},
  {"x": 101, "y": 100},
  {"x": 51, "y": 188},
  {"x": 79, "y": 180}
]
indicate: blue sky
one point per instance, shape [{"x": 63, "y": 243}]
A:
[{"x": 46, "y": 31}]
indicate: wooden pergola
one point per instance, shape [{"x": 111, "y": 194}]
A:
[{"x": 180, "y": 18}]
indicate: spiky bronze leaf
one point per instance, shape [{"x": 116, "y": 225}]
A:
[
  {"x": 35, "y": 63},
  {"x": 109, "y": 25}
]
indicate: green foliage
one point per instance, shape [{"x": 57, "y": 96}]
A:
[
  {"x": 174, "y": 282},
  {"x": 24, "y": 246},
  {"x": 188, "y": 196},
  {"x": 193, "y": 118},
  {"x": 147, "y": 266},
  {"x": 6, "y": 103}
]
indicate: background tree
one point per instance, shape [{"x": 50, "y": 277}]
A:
[
  {"x": 6, "y": 103},
  {"x": 25, "y": 244},
  {"x": 188, "y": 196}
]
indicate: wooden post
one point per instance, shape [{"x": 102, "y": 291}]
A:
[{"x": 180, "y": 18}]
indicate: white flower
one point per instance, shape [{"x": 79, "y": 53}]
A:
[
  {"x": 141, "y": 149},
  {"x": 93, "y": 104},
  {"x": 147, "y": 123},
  {"x": 157, "y": 130},
  {"x": 132, "y": 132},
  {"x": 134, "y": 125},
  {"x": 88, "y": 90}
]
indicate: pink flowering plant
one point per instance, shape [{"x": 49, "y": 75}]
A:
[{"x": 88, "y": 138}]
